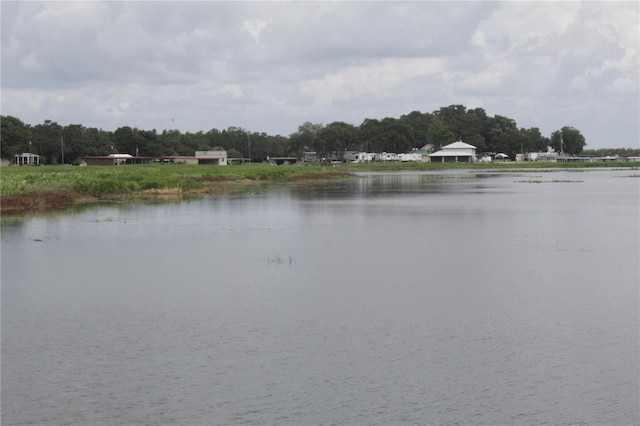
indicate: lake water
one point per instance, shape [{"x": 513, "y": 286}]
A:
[{"x": 449, "y": 298}]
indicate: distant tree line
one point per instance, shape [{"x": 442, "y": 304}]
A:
[
  {"x": 69, "y": 144},
  {"x": 612, "y": 152}
]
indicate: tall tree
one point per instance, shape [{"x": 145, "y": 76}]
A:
[
  {"x": 15, "y": 137},
  {"x": 396, "y": 135},
  {"x": 147, "y": 143},
  {"x": 454, "y": 118},
  {"x": 304, "y": 138},
  {"x": 47, "y": 138},
  {"x": 568, "y": 140},
  {"x": 503, "y": 136},
  {"x": 533, "y": 141},
  {"x": 72, "y": 143},
  {"x": 171, "y": 141},
  {"x": 371, "y": 136},
  {"x": 439, "y": 134},
  {"x": 338, "y": 137},
  {"x": 98, "y": 142},
  {"x": 125, "y": 140},
  {"x": 475, "y": 127},
  {"x": 419, "y": 125}
]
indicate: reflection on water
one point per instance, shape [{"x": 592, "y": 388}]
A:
[{"x": 399, "y": 298}]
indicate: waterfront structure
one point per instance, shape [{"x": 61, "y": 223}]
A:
[{"x": 457, "y": 152}]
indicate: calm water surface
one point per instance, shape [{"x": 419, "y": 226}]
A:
[{"x": 471, "y": 298}]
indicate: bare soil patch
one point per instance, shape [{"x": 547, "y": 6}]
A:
[{"x": 45, "y": 201}]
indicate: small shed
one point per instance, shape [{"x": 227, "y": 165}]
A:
[
  {"x": 212, "y": 157},
  {"x": 26, "y": 159}
]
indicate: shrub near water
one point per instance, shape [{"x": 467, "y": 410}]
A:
[{"x": 94, "y": 187}]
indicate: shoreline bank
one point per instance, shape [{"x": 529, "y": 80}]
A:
[{"x": 44, "y": 189}]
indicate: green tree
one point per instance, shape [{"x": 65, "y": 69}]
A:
[
  {"x": 371, "y": 137},
  {"x": 192, "y": 142},
  {"x": 439, "y": 134},
  {"x": 453, "y": 117},
  {"x": 476, "y": 123},
  {"x": 337, "y": 137},
  {"x": 419, "y": 125},
  {"x": 97, "y": 142},
  {"x": 125, "y": 140},
  {"x": 305, "y": 138},
  {"x": 234, "y": 153},
  {"x": 72, "y": 143},
  {"x": 234, "y": 138},
  {"x": 171, "y": 142},
  {"x": 503, "y": 136},
  {"x": 15, "y": 137},
  {"x": 621, "y": 152},
  {"x": 533, "y": 141},
  {"x": 148, "y": 144},
  {"x": 470, "y": 126},
  {"x": 274, "y": 146},
  {"x": 567, "y": 140},
  {"x": 396, "y": 135},
  {"x": 47, "y": 138}
]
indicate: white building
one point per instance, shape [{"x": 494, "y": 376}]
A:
[
  {"x": 212, "y": 157},
  {"x": 358, "y": 157},
  {"x": 386, "y": 156},
  {"x": 202, "y": 157},
  {"x": 410, "y": 156},
  {"x": 457, "y": 152},
  {"x": 27, "y": 159}
]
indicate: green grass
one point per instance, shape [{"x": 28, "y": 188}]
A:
[
  {"x": 105, "y": 181},
  {"x": 101, "y": 181}
]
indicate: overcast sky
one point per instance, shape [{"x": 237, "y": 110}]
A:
[{"x": 271, "y": 66}]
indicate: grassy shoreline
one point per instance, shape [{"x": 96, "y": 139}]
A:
[{"x": 49, "y": 188}]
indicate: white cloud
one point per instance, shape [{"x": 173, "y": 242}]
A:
[
  {"x": 254, "y": 27},
  {"x": 232, "y": 90},
  {"x": 270, "y": 66},
  {"x": 381, "y": 79},
  {"x": 31, "y": 63}
]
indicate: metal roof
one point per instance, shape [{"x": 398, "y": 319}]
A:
[
  {"x": 452, "y": 153},
  {"x": 458, "y": 145}
]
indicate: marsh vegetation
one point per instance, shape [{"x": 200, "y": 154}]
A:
[{"x": 42, "y": 188}]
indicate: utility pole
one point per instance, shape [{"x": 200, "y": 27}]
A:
[
  {"x": 249, "y": 145},
  {"x": 62, "y": 148}
]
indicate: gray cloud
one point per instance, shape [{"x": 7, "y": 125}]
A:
[{"x": 270, "y": 66}]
